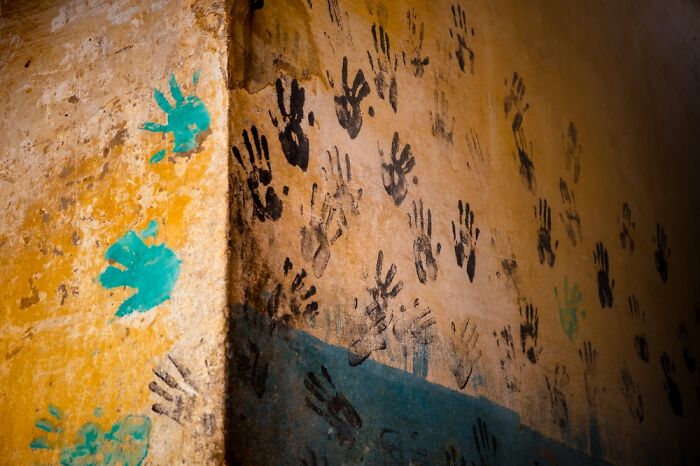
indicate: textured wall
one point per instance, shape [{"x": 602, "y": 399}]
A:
[
  {"x": 453, "y": 226},
  {"x": 112, "y": 232}
]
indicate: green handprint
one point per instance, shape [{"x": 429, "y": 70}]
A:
[
  {"x": 569, "y": 309},
  {"x": 52, "y": 426},
  {"x": 151, "y": 269},
  {"x": 186, "y": 120}
]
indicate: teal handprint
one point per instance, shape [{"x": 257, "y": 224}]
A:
[
  {"x": 569, "y": 308},
  {"x": 151, "y": 269},
  {"x": 186, "y": 120},
  {"x": 52, "y": 426}
]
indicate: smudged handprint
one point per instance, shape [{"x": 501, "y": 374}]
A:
[
  {"x": 151, "y": 269},
  {"x": 382, "y": 81},
  {"x": 544, "y": 234},
  {"x": 291, "y": 301},
  {"x": 569, "y": 308},
  {"x": 662, "y": 253},
  {"x": 515, "y": 102},
  {"x": 589, "y": 358},
  {"x": 442, "y": 127},
  {"x": 632, "y": 394},
  {"x": 573, "y": 152},
  {"x": 505, "y": 342},
  {"x": 394, "y": 173},
  {"x": 416, "y": 34},
  {"x": 529, "y": 331},
  {"x": 426, "y": 262},
  {"x": 670, "y": 385},
  {"x": 570, "y": 217},
  {"x": 345, "y": 197},
  {"x": 556, "y": 386},
  {"x": 259, "y": 176},
  {"x": 347, "y": 104},
  {"x": 188, "y": 120},
  {"x": 315, "y": 238},
  {"x": 485, "y": 443},
  {"x": 627, "y": 226},
  {"x": 605, "y": 285},
  {"x": 462, "y": 34},
  {"x": 465, "y": 243},
  {"x": 295, "y": 143},
  {"x": 463, "y": 354}
]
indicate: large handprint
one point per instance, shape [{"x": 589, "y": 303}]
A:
[
  {"x": 295, "y": 144},
  {"x": 347, "y": 105},
  {"x": 151, "y": 269},
  {"x": 394, "y": 173},
  {"x": 187, "y": 119}
]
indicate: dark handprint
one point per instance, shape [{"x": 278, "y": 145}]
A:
[
  {"x": 249, "y": 357},
  {"x": 486, "y": 445},
  {"x": 670, "y": 385},
  {"x": 332, "y": 406},
  {"x": 690, "y": 360},
  {"x": 514, "y": 102},
  {"x": 589, "y": 358},
  {"x": 259, "y": 176},
  {"x": 416, "y": 38},
  {"x": 605, "y": 286},
  {"x": 347, "y": 104},
  {"x": 453, "y": 457},
  {"x": 529, "y": 330},
  {"x": 641, "y": 347},
  {"x": 315, "y": 239},
  {"x": 463, "y": 354},
  {"x": 180, "y": 402},
  {"x": 627, "y": 226},
  {"x": 632, "y": 394},
  {"x": 312, "y": 460},
  {"x": 426, "y": 263},
  {"x": 295, "y": 144},
  {"x": 465, "y": 244},
  {"x": 544, "y": 234},
  {"x": 573, "y": 152},
  {"x": 461, "y": 32},
  {"x": 556, "y": 387},
  {"x": 441, "y": 119},
  {"x": 505, "y": 342},
  {"x": 570, "y": 217},
  {"x": 382, "y": 50},
  {"x": 635, "y": 312},
  {"x": 294, "y": 300},
  {"x": 394, "y": 173},
  {"x": 413, "y": 328},
  {"x": 662, "y": 252}
]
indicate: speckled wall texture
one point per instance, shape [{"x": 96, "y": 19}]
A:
[{"x": 328, "y": 232}]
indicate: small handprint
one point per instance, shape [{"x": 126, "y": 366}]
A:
[
  {"x": 416, "y": 34},
  {"x": 152, "y": 269},
  {"x": 465, "y": 244},
  {"x": 485, "y": 443},
  {"x": 573, "y": 152},
  {"x": 544, "y": 234},
  {"x": 293, "y": 301},
  {"x": 529, "y": 330},
  {"x": 315, "y": 238},
  {"x": 632, "y": 394},
  {"x": 605, "y": 285},
  {"x": 179, "y": 403},
  {"x": 382, "y": 81},
  {"x": 259, "y": 176},
  {"x": 662, "y": 253},
  {"x": 569, "y": 308},
  {"x": 570, "y": 217},
  {"x": 670, "y": 385},
  {"x": 426, "y": 262},
  {"x": 295, "y": 143},
  {"x": 462, "y": 33},
  {"x": 556, "y": 387},
  {"x": 463, "y": 354},
  {"x": 589, "y": 358},
  {"x": 188, "y": 120},
  {"x": 347, "y": 104},
  {"x": 627, "y": 226},
  {"x": 634, "y": 310},
  {"x": 514, "y": 102},
  {"x": 394, "y": 173},
  {"x": 441, "y": 124},
  {"x": 332, "y": 406}
]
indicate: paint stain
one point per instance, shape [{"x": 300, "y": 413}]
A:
[
  {"x": 569, "y": 308},
  {"x": 151, "y": 269}
]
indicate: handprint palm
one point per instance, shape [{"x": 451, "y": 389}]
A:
[{"x": 151, "y": 269}]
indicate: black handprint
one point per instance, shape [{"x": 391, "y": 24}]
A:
[
  {"x": 332, "y": 406},
  {"x": 641, "y": 347},
  {"x": 662, "y": 252},
  {"x": 453, "y": 458},
  {"x": 463, "y": 354},
  {"x": 556, "y": 387},
  {"x": 504, "y": 340},
  {"x": 441, "y": 118},
  {"x": 627, "y": 226},
  {"x": 416, "y": 38},
  {"x": 259, "y": 175},
  {"x": 514, "y": 102},
  {"x": 634, "y": 308},
  {"x": 178, "y": 404},
  {"x": 459, "y": 18},
  {"x": 632, "y": 394},
  {"x": 465, "y": 244},
  {"x": 486, "y": 445},
  {"x": 670, "y": 385},
  {"x": 605, "y": 286},
  {"x": 570, "y": 217},
  {"x": 544, "y": 234},
  {"x": 529, "y": 330},
  {"x": 347, "y": 104},
  {"x": 249, "y": 360},
  {"x": 295, "y": 144},
  {"x": 382, "y": 50},
  {"x": 394, "y": 173},
  {"x": 426, "y": 263},
  {"x": 294, "y": 300},
  {"x": 589, "y": 358},
  {"x": 312, "y": 460},
  {"x": 315, "y": 239}
]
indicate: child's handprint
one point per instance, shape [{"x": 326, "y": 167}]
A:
[
  {"x": 295, "y": 144},
  {"x": 187, "y": 120},
  {"x": 259, "y": 175},
  {"x": 151, "y": 269},
  {"x": 394, "y": 173},
  {"x": 382, "y": 50},
  {"x": 426, "y": 262},
  {"x": 347, "y": 105}
]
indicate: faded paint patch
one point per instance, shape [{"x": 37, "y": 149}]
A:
[{"x": 569, "y": 308}]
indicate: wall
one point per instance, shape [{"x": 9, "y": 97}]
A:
[
  {"x": 113, "y": 262},
  {"x": 453, "y": 226}
]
